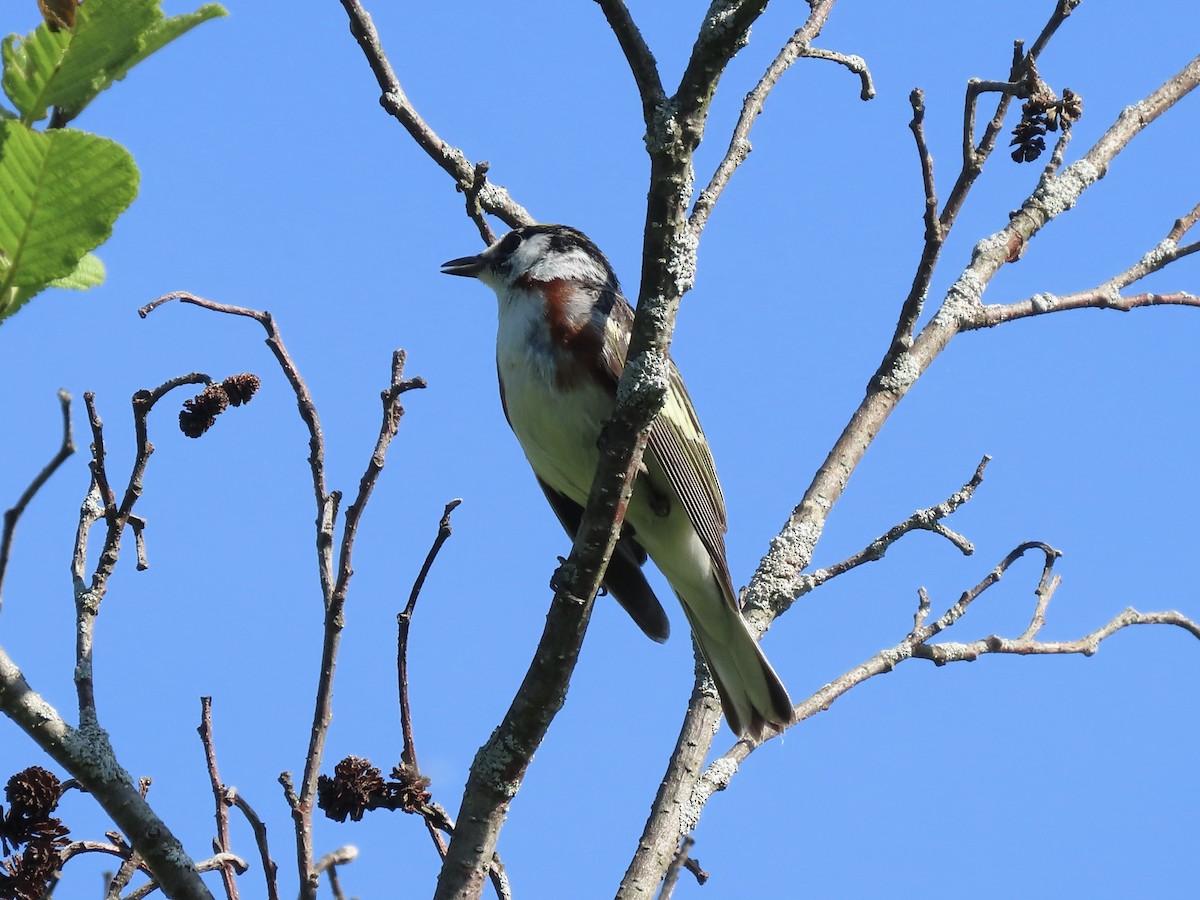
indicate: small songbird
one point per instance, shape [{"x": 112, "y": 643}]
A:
[{"x": 560, "y": 348}]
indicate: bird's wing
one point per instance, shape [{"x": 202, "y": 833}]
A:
[
  {"x": 677, "y": 441},
  {"x": 624, "y": 578}
]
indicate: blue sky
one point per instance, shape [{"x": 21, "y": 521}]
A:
[{"x": 271, "y": 178}]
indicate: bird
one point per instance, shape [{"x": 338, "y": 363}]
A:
[{"x": 561, "y": 343}]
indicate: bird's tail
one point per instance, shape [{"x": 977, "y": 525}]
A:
[{"x": 752, "y": 695}]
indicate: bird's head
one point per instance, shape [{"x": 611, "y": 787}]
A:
[{"x": 538, "y": 254}]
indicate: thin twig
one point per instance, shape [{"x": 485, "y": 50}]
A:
[
  {"x": 928, "y": 519},
  {"x": 130, "y": 865},
  {"x": 910, "y": 311},
  {"x": 216, "y": 861},
  {"x": 13, "y": 515},
  {"x": 222, "y": 844},
  {"x": 270, "y": 869},
  {"x": 739, "y": 142},
  {"x": 637, "y": 54},
  {"x": 335, "y": 610},
  {"x": 493, "y": 199},
  {"x": 89, "y": 595},
  {"x": 334, "y": 585},
  {"x": 671, "y": 878},
  {"x": 1108, "y": 294},
  {"x": 1023, "y": 79},
  {"x": 404, "y": 624},
  {"x": 325, "y": 501},
  {"x": 328, "y": 864},
  {"x": 916, "y": 646},
  {"x": 333, "y": 589},
  {"x": 474, "y": 209},
  {"x": 851, "y": 61},
  {"x": 121, "y": 850}
]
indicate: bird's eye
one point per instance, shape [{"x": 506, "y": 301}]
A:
[{"x": 509, "y": 244}]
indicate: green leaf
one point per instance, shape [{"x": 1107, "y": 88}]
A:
[
  {"x": 67, "y": 69},
  {"x": 167, "y": 30},
  {"x": 106, "y": 34},
  {"x": 30, "y": 66},
  {"x": 60, "y": 192},
  {"x": 89, "y": 273}
]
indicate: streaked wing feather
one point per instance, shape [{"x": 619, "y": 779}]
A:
[{"x": 677, "y": 441}]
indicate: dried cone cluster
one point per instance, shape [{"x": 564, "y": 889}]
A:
[
  {"x": 357, "y": 786},
  {"x": 201, "y": 411},
  {"x": 1041, "y": 113},
  {"x": 32, "y": 796}
]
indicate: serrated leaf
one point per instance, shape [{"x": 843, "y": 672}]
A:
[
  {"x": 167, "y": 30},
  {"x": 89, "y": 273},
  {"x": 67, "y": 69},
  {"x": 29, "y": 68},
  {"x": 60, "y": 192},
  {"x": 106, "y": 35}
]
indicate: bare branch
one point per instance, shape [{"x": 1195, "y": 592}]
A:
[
  {"x": 404, "y": 624},
  {"x": 1108, "y": 295},
  {"x": 680, "y": 798},
  {"x": 13, "y": 515},
  {"x": 928, "y": 519},
  {"x": 1023, "y": 81},
  {"x": 131, "y": 864},
  {"x": 493, "y": 198},
  {"x": 329, "y": 864},
  {"x": 86, "y": 753},
  {"x": 935, "y": 235},
  {"x": 222, "y": 843},
  {"x": 851, "y": 61},
  {"x": 217, "y": 861},
  {"x": 335, "y": 608},
  {"x": 339, "y": 857},
  {"x": 474, "y": 209},
  {"x": 674, "y": 129},
  {"x": 270, "y": 869},
  {"x": 333, "y": 587},
  {"x": 798, "y": 45},
  {"x": 327, "y": 503},
  {"x": 637, "y": 54},
  {"x": 915, "y": 646},
  {"x": 962, "y": 309},
  {"x": 88, "y": 596}
]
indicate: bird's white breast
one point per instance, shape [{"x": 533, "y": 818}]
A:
[{"x": 557, "y": 426}]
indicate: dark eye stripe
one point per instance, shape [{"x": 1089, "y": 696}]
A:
[{"x": 509, "y": 244}]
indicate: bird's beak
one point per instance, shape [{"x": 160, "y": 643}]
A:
[{"x": 469, "y": 266}]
